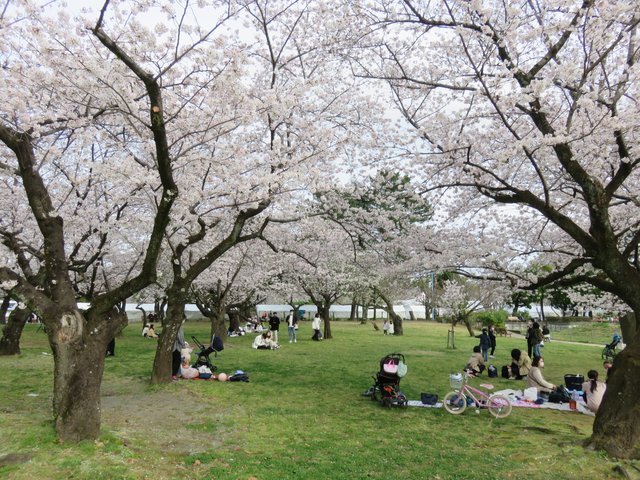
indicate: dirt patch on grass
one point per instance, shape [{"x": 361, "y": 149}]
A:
[
  {"x": 14, "y": 458},
  {"x": 168, "y": 420}
]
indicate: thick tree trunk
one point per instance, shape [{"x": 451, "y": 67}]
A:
[
  {"x": 393, "y": 316},
  {"x": 4, "y": 308},
  {"x": 11, "y": 333},
  {"x": 218, "y": 327},
  {"x": 467, "y": 322},
  {"x": 162, "y": 363},
  {"x": 234, "y": 320},
  {"x": 397, "y": 324},
  {"x": 323, "y": 310},
  {"x": 616, "y": 429},
  {"x": 628, "y": 327},
  {"x": 79, "y": 348},
  {"x": 353, "y": 314}
]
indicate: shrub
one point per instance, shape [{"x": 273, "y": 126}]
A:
[{"x": 491, "y": 317}]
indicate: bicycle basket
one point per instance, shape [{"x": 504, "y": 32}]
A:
[{"x": 455, "y": 380}]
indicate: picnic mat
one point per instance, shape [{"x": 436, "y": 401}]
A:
[
  {"x": 418, "y": 403},
  {"x": 515, "y": 396}
]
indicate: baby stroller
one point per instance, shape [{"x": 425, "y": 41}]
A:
[
  {"x": 387, "y": 381},
  {"x": 214, "y": 347},
  {"x": 609, "y": 350}
]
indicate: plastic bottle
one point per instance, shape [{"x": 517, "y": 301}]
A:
[{"x": 573, "y": 403}]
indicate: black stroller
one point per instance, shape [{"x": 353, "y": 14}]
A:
[
  {"x": 387, "y": 381},
  {"x": 214, "y": 347},
  {"x": 609, "y": 350}
]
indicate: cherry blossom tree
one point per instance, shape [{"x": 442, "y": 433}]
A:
[
  {"x": 241, "y": 277},
  {"x": 287, "y": 127},
  {"x": 534, "y": 108},
  {"x": 72, "y": 182}
]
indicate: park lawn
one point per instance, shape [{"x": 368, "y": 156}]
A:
[
  {"x": 589, "y": 332},
  {"x": 302, "y": 415}
]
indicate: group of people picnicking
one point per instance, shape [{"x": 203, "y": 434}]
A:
[
  {"x": 528, "y": 366},
  {"x": 268, "y": 340},
  {"x": 148, "y": 329}
]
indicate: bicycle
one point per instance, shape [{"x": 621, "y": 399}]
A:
[{"x": 455, "y": 402}]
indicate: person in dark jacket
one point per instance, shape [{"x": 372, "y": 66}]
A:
[
  {"x": 492, "y": 337},
  {"x": 274, "y": 326},
  {"x": 537, "y": 340},
  {"x": 529, "y": 337},
  {"x": 485, "y": 344}
]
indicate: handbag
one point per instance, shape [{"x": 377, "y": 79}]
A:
[
  {"x": 429, "y": 398},
  {"x": 402, "y": 369},
  {"x": 391, "y": 366}
]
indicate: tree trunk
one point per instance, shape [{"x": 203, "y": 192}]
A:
[
  {"x": 162, "y": 363},
  {"x": 11, "y": 333},
  {"x": 467, "y": 322},
  {"x": 4, "y": 307},
  {"x": 79, "y": 347},
  {"x": 354, "y": 310},
  {"x": 628, "y": 327},
  {"x": 393, "y": 316},
  {"x": 234, "y": 320},
  {"x": 616, "y": 429},
  {"x": 323, "y": 310},
  {"x": 218, "y": 327}
]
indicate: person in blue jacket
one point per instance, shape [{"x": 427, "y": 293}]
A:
[{"x": 485, "y": 344}]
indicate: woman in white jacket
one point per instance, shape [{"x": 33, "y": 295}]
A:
[
  {"x": 264, "y": 342},
  {"x": 315, "y": 324}
]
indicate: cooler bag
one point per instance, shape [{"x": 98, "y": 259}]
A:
[{"x": 573, "y": 381}]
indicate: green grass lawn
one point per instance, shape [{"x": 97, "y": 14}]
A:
[
  {"x": 302, "y": 415},
  {"x": 591, "y": 332}
]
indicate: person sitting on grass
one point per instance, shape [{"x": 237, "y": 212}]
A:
[
  {"x": 535, "y": 378},
  {"x": 264, "y": 342},
  {"x": 187, "y": 371},
  {"x": 593, "y": 391},
  {"x": 475, "y": 364},
  {"x": 151, "y": 332},
  {"x": 520, "y": 364}
]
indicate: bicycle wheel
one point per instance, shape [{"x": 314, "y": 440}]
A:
[
  {"x": 455, "y": 402},
  {"x": 499, "y": 406}
]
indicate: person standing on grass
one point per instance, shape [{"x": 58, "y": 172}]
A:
[
  {"x": 546, "y": 333},
  {"x": 529, "y": 337},
  {"x": 485, "y": 344},
  {"x": 176, "y": 358},
  {"x": 538, "y": 339},
  {"x": 291, "y": 327},
  {"x": 274, "y": 326},
  {"x": 316, "y": 327},
  {"x": 385, "y": 326},
  {"x": 492, "y": 338}
]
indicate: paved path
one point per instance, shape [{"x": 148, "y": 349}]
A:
[{"x": 598, "y": 345}]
